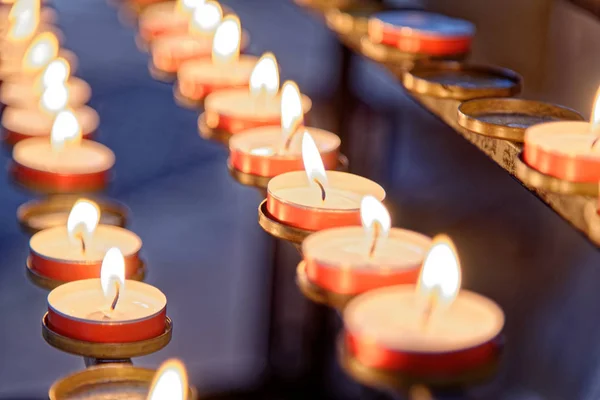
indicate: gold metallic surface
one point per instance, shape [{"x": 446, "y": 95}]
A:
[
  {"x": 278, "y": 229},
  {"x": 207, "y": 133},
  {"x": 185, "y": 102},
  {"x": 159, "y": 75},
  {"x": 470, "y": 111},
  {"x": 318, "y": 294}
]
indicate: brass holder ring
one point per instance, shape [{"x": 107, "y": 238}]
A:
[
  {"x": 353, "y": 20},
  {"x": 280, "y": 230},
  {"x": 324, "y": 5},
  {"x": 44, "y": 282},
  {"x": 107, "y": 381},
  {"x": 98, "y": 353},
  {"x": 186, "y": 102},
  {"x": 28, "y": 214},
  {"x": 402, "y": 383},
  {"x": 159, "y": 75},
  {"x": 460, "y": 81},
  {"x": 538, "y": 180},
  {"x": 208, "y": 133},
  {"x": 508, "y": 118},
  {"x": 318, "y": 294}
]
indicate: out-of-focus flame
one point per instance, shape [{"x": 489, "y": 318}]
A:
[
  {"x": 24, "y": 18},
  {"x": 372, "y": 213},
  {"x": 42, "y": 50},
  {"x": 206, "y": 18},
  {"x": 83, "y": 220},
  {"x": 112, "y": 273},
  {"x": 440, "y": 275},
  {"x": 291, "y": 109},
  {"x": 66, "y": 129},
  {"x": 596, "y": 112},
  {"x": 226, "y": 42},
  {"x": 170, "y": 382},
  {"x": 264, "y": 80},
  {"x": 56, "y": 72},
  {"x": 188, "y": 6},
  {"x": 313, "y": 164},
  {"x": 54, "y": 98}
]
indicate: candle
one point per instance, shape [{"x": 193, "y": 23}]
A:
[
  {"x": 235, "y": 110},
  {"x": 107, "y": 310},
  {"x": 226, "y": 69},
  {"x": 23, "y": 18},
  {"x": 566, "y": 149},
  {"x": 269, "y": 151},
  {"x": 170, "y": 51},
  {"x": 166, "y": 18},
  {"x": 421, "y": 32},
  {"x": 313, "y": 199},
  {"x": 75, "y": 251},
  {"x": 428, "y": 330},
  {"x": 65, "y": 163},
  {"x": 170, "y": 382},
  {"x": 353, "y": 260}
]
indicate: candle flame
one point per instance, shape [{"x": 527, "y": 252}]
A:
[
  {"x": 56, "y": 72},
  {"x": 66, "y": 129},
  {"x": 372, "y": 213},
  {"x": 291, "y": 109},
  {"x": 188, "y": 6},
  {"x": 24, "y": 19},
  {"x": 440, "y": 275},
  {"x": 54, "y": 98},
  {"x": 170, "y": 382},
  {"x": 265, "y": 76},
  {"x": 40, "y": 52},
  {"x": 112, "y": 273},
  {"x": 206, "y": 18},
  {"x": 83, "y": 220},
  {"x": 313, "y": 164},
  {"x": 226, "y": 42},
  {"x": 596, "y": 112}
]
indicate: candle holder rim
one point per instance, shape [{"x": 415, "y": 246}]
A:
[
  {"x": 305, "y": 100},
  {"x": 208, "y": 133},
  {"x": 160, "y": 75},
  {"x": 395, "y": 56},
  {"x": 186, "y": 102},
  {"x": 470, "y": 111},
  {"x": 279, "y": 229},
  {"x": 318, "y": 294}
]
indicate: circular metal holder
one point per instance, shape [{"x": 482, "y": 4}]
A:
[
  {"x": 99, "y": 353},
  {"x": 507, "y": 118},
  {"x": 31, "y": 214},
  {"x": 459, "y": 81},
  {"x": 402, "y": 383},
  {"x": 539, "y": 180},
  {"x": 186, "y": 102},
  {"x": 113, "y": 381},
  {"x": 351, "y": 21},
  {"x": 49, "y": 283},
  {"x": 324, "y": 5},
  {"x": 319, "y": 294},
  {"x": 218, "y": 135},
  {"x": 279, "y": 229},
  {"x": 159, "y": 75}
]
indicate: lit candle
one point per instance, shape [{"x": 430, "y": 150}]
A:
[
  {"x": 566, "y": 149},
  {"x": 75, "y": 251},
  {"x": 170, "y": 382},
  {"x": 65, "y": 163},
  {"x": 313, "y": 199},
  {"x": 107, "y": 310},
  {"x": 20, "y": 21},
  {"x": 226, "y": 69},
  {"x": 235, "y": 110},
  {"x": 269, "y": 151},
  {"x": 169, "y": 52},
  {"x": 165, "y": 18},
  {"x": 421, "y": 32},
  {"x": 353, "y": 260}
]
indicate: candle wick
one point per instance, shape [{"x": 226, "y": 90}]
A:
[
  {"x": 323, "y": 193},
  {"x": 596, "y": 134},
  {"x": 116, "y": 299},
  {"x": 295, "y": 130},
  {"x": 376, "y": 229},
  {"x": 594, "y": 142},
  {"x": 83, "y": 247},
  {"x": 430, "y": 306}
]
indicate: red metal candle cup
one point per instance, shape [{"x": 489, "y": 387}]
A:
[
  {"x": 293, "y": 201},
  {"x": 257, "y": 151},
  {"x": 563, "y": 149},
  {"x": 75, "y": 310},
  {"x": 338, "y": 259},
  {"x": 162, "y": 19}
]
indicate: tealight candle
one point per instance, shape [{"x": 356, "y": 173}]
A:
[
  {"x": 566, "y": 149},
  {"x": 421, "y": 32},
  {"x": 65, "y": 163},
  {"x": 270, "y": 150},
  {"x": 313, "y": 199},
  {"x": 75, "y": 251},
  {"x": 235, "y": 110},
  {"x": 167, "y": 18},
  {"x": 353, "y": 260},
  {"x": 427, "y": 330},
  {"x": 224, "y": 70},
  {"x": 19, "y": 21},
  {"x": 107, "y": 310},
  {"x": 170, "y": 382}
]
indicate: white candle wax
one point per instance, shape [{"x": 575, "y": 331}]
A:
[
  {"x": 570, "y": 138},
  {"x": 54, "y": 243},
  {"x": 87, "y": 158},
  {"x": 59, "y": 218},
  {"x": 35, "y": 122},
  {"x": 393, "y": 318},
  {"x": 205, "y": 71},
  {"x": 84, "y": 300},
  {"x": 349, "y": 247},
  {"x": 24, "y": 92}
]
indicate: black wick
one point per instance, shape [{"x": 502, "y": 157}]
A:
[
  {"x": 295, "y": 130},
  {"x": 83, "y": 248},
  {"x": 376, "y": 229},
  {"x": 323, "y": 194},
  {"x": 116, "y": 299}
]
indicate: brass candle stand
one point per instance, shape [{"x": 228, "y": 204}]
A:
[
  {"x": 280, "y": 230},
  {"x": 184, "y": 101},
  {"x": 104, "y": 353},
  {"x": 318, "y": 294},
  {"x": 208, "y": 133},
  {"x": 159, "y": 75},
  {"x": 108, "y": 381}
]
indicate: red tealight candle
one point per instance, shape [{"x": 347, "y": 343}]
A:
[
  {"x": 566, "y": 149},
  {"x": 65, "y": 163},
  {"x": 269, "y": 151},
  {"x": 353, "y": 260},
  {"x": 108, "y": 310},
  {"x": 429, "y": 330},
  {"x": 315, "y": 200},
  {"x": 166, "y": 18},
  {"x": 226, "y": 69},
  {"x": 235, "y": 110},
  {"x": 75, "y": 251}
]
